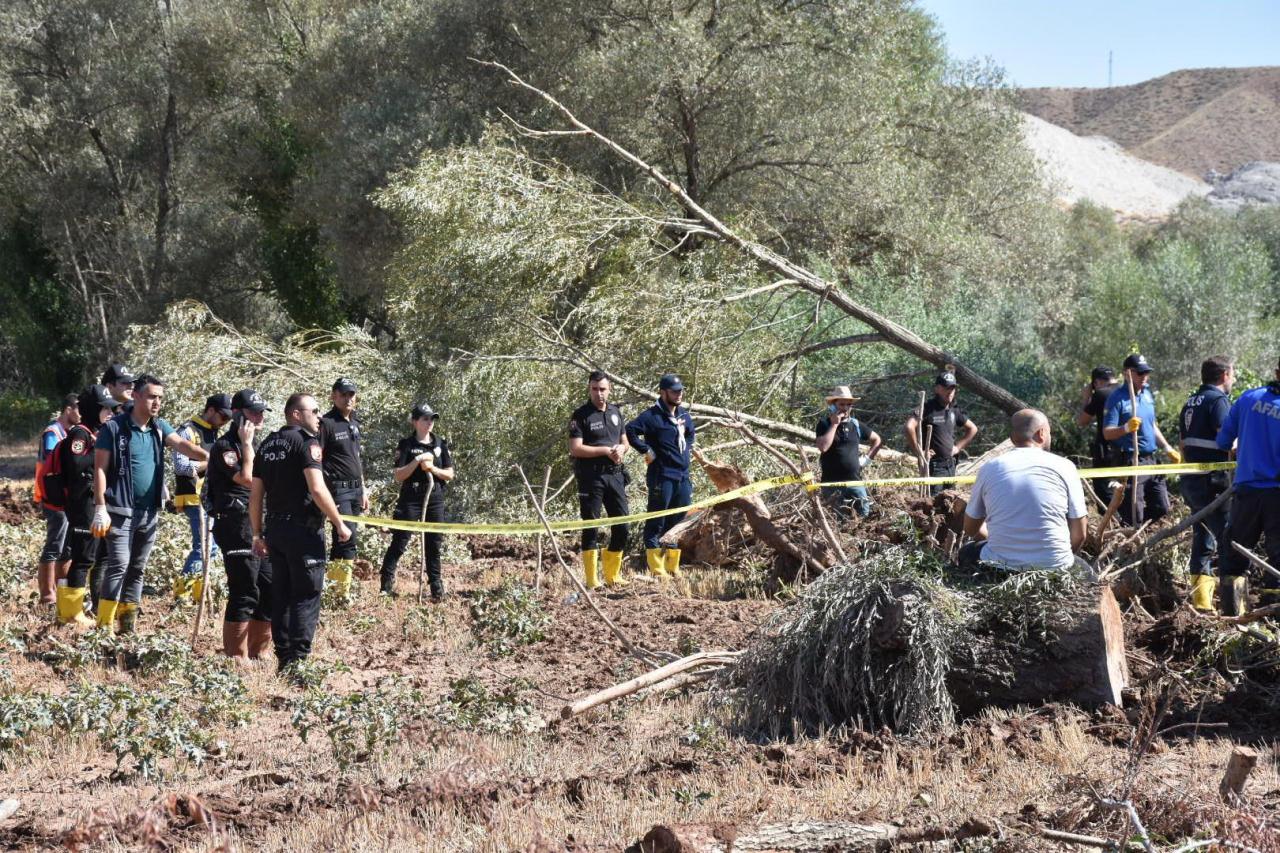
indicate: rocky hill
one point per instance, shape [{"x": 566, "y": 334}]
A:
[{"x": 1195, "y": 121}]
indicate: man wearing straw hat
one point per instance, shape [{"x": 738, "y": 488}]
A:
[{"x": 839, "y": 439}]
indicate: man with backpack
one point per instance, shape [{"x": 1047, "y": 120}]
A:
[
  {"x": 68, "y": 481},
  {"x": 53, "y": 555}
]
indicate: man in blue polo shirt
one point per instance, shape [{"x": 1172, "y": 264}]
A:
[
  {"x": 664, "y": 434},
  {"x": 1121, "y": 426},
  {"x": 128, "y": 484},
  {"x": 1253, "y": 425}
]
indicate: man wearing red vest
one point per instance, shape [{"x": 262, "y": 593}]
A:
[{"x": 55, "y": 520}]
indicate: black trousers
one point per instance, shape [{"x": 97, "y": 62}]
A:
[
  {"x": 348, "y": 501},
  {"x": 297, "y": 578},
  {"x": 248, "y": 575},
  {"x": 87, "y": 555},
  {"x": 1254, "y": 514},
  {"x": 1154, "y": 502},
  {"x": 411, "y": 510},
  {"x": 941, "y": 468},
  {"x": 607, "y": 492}
]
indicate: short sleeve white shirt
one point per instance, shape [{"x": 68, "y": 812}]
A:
[{"x": 1026, "y": 496}]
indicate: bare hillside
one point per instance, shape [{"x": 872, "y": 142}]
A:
[{"x": 1194, "y": 120}]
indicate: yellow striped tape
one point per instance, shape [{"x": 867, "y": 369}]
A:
[{"x": 532, "y": 528}]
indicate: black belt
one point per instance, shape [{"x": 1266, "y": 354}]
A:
[
  {"x": 346, "y": 484},
  {"x": 300, "y": 517}
]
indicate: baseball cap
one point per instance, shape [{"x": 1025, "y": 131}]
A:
[
  {"x": 670, "y": 382},
  {"x": 1102, "y": 372},
  {"x": 96, "y": 396},
  {"x": 345, "y": 385},
  {"x": 947, "y": 379},
  {"x": 118, "y": 373},
  {"x": 424, "y": 410},
  {"x": 1137, "y": 362},
  {"x": 221, "y": 402},
  {"x": 249, "y": 400}
]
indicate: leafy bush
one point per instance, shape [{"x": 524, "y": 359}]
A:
[
  {"x": 469, "y": 705},
  {"x": 359, "y": 725},
  {"x": 508, "y": 617}
]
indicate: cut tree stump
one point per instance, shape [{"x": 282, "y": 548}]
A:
[
  {"x": 1083, "y": 661},
  {"x": 1239, "y": 766}
]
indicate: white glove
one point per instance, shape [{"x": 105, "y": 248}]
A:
[
  {"x": 101, "y": 522},
  {"x": 649, "y": 456},
  {"x": 864, "y": 461}
]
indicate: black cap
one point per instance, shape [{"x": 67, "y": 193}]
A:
[
  {"x": 1102, "y": 372},
  {"x": 424, "y": 410},
  {"x": 221, "y": 402},
  {"x": 1137, "y": 362},
  {"x": 946, "y": 379},
  {"x": 118, "y": 373},
  {"x": 345, "y": 385},
  {"x": 670, "y": 382},
  {"x": 249, "y": 400},
  {"x": 96, "y": 397}
]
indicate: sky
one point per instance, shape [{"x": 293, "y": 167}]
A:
[{"x": 1065, "y": 43}]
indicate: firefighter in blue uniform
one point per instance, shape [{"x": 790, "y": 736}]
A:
[
  {"x": 664, "y": 434},
  {"x": 1253, "y": 426},
  {"x": 288, "y": 505},
  {"x": 1201, "y": 418}
]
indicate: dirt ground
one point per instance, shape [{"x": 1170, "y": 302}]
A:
[{"x": 596, "y": 782}]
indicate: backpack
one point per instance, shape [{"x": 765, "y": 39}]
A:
[{"x": 53, "y": 482}]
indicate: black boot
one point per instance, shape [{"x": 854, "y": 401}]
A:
[{"x": 388, "y": 575}]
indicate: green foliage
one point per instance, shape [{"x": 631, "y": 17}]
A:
[
  {"x": 470, "y": 705},
  {"x": 507, "y": 617},
  {"x": 361, "y": 725},
  {"x": 312, "y": 672}
]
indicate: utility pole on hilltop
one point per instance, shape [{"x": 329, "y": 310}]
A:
[{"x": 1110, "y": 56}]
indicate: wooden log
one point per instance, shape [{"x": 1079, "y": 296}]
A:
[
  {"x": 1239, "y": 766},
  {"x": 648, "y": 679},
  {"x": 1083, "y": 661},
  {"x": 772, "y": 838}
]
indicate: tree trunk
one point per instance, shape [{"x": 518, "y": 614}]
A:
[
  {"x": 773, "y": 838},
  {"x": 1083, "y": 661}
]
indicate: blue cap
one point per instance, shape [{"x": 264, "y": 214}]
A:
[{"x": 670, "y": 382}]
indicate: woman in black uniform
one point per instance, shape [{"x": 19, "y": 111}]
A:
[{"x": 423, "y": 467}]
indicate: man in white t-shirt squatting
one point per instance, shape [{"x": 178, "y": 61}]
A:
[{"x": 1027, "y": 509}]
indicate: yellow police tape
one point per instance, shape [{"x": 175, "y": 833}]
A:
[{"x": 529, "y": 529}]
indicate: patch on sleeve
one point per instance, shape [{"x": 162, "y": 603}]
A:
[
  {"x": 230, "y": 458},
  {"x": 316, "y": 453}
]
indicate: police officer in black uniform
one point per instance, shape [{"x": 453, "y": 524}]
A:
[
  {"x": 246, "y": 625},
  {"x": 1202, "y": 417},
  {"x": 942, "y": 414},
  {"x": 423, "y": 466},
  {"x": 344, "y": 475},
  {"x": 288, "y": 504},
  {"x": 598, "y": 443}
]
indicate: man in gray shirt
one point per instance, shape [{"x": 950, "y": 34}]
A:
[{"x": 1027, "y": 509}]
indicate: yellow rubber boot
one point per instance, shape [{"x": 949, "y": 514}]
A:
[
  {"x": 1202, "y": 589},
  {"x": 197, "y": 588},
  {"x": 653, "y": 556},
  {"x": 613, "y": 569},
  {"x": 181, "y": 589},
  {"x": 127, "y": 616},
  {"x": 71, "y": 606},
  {"x": 107, "y": 613},
  {"x": 672, "y": 563},
  {"x": 590, "y": 569},
  {"x": 339, "y": 572}
]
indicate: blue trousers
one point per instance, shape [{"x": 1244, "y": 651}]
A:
[
  {"x": 129, "y": 544},
  {"x": 194, "y": 557},
  {"x": 847, "y": 499},
  {"x": 665, "y": 494},
  {"x": 1198, "y": 492}
]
